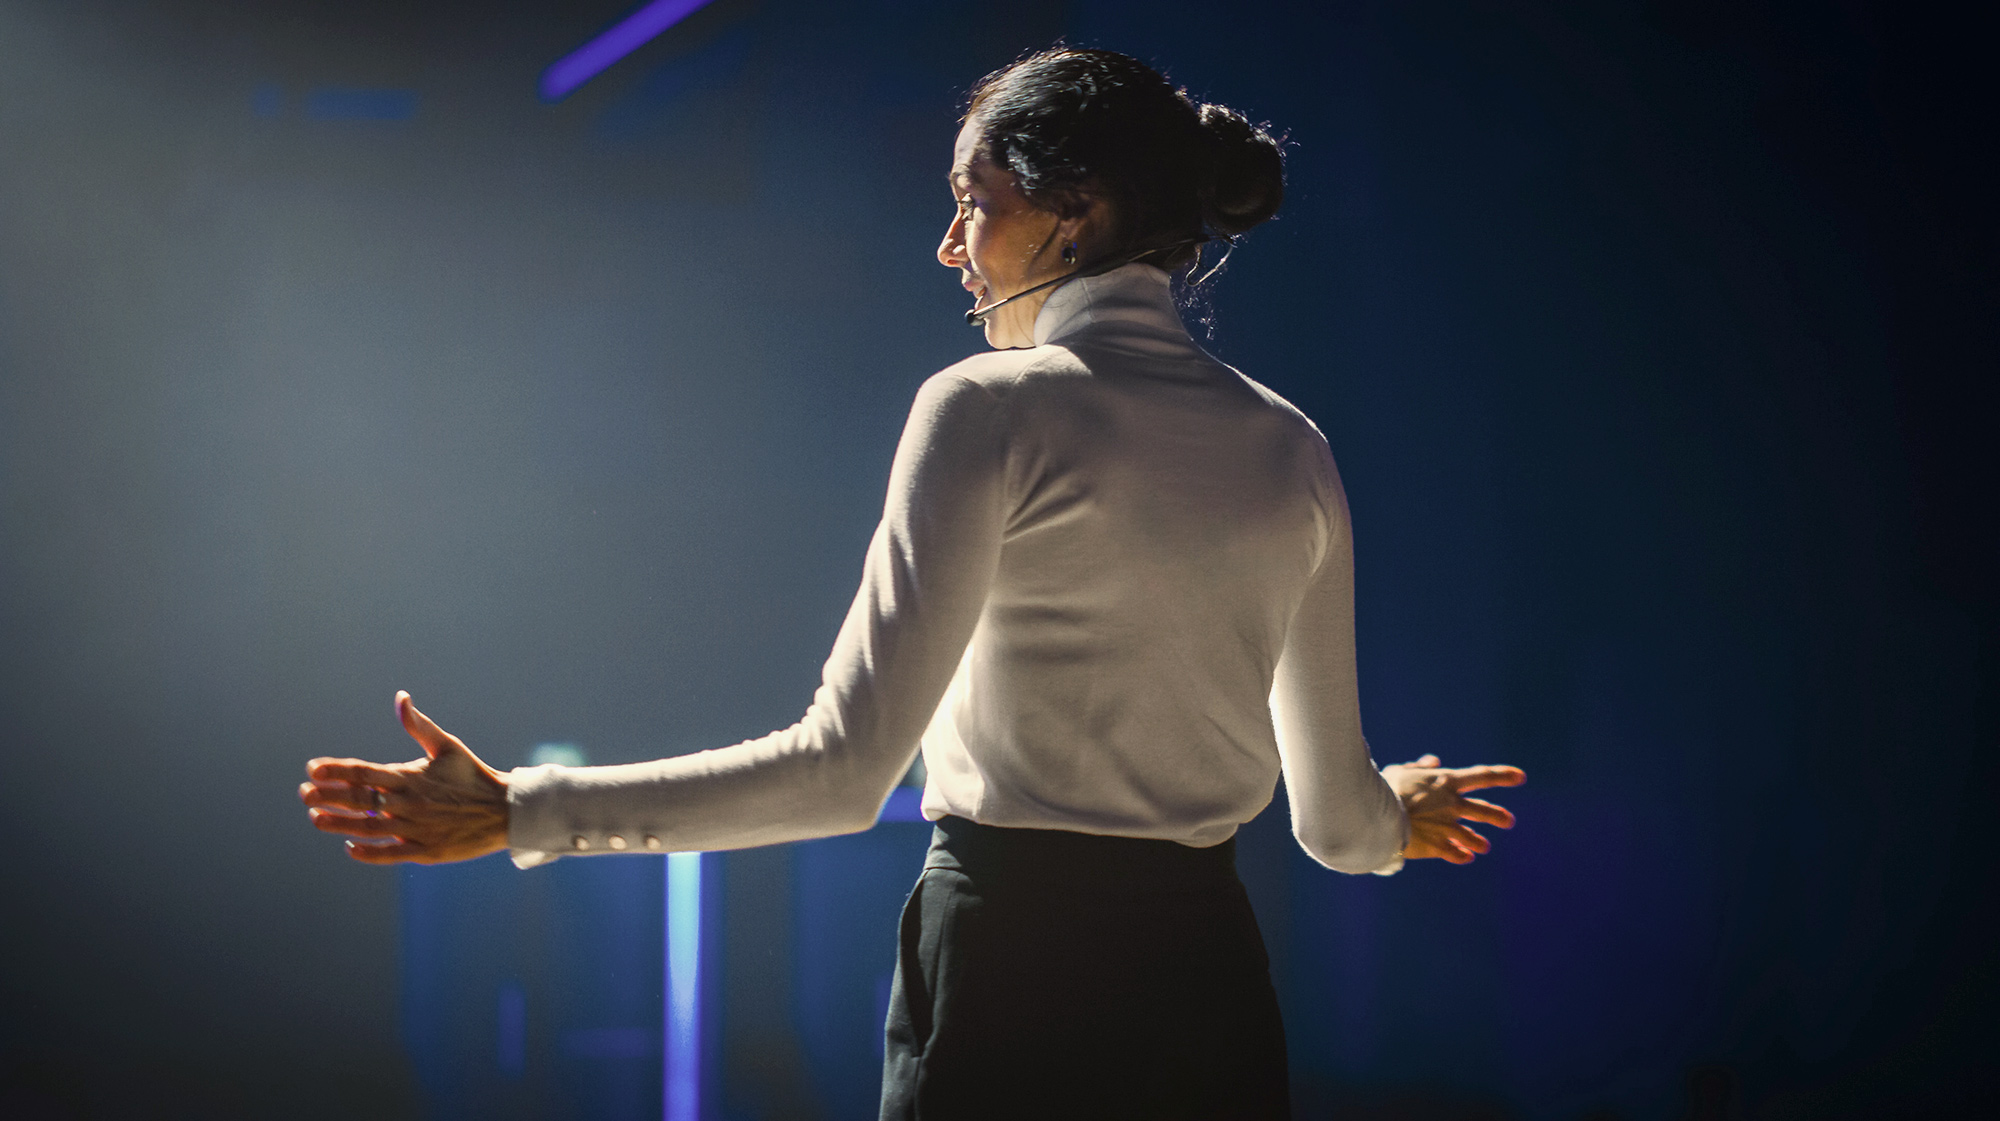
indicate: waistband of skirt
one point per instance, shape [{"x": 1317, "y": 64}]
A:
[{"x": 1050, "y": 857}]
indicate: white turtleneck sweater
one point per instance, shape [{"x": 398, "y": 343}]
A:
[{"x": 1111, "y": 592}]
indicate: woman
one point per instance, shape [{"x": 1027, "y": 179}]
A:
[{"x": 1110, "y": 596}]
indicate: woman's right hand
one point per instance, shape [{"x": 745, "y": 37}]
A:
[
  {"x": 443, "y": 807},
  {"x": 1433, "y": 796}
]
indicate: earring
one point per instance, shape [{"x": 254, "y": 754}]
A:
[{"x": 1069, "y": 254}]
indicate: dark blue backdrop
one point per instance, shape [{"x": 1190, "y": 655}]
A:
[{"x": 1653, "y": 340}]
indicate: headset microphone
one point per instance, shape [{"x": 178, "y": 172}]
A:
[{"x": 977, "y": 316}]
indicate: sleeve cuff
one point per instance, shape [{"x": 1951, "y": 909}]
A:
[
  {"x": 522, "y": 784},
  {"x": 1395, "y": 864}
]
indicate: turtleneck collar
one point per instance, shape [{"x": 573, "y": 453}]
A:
[{"x": 1132, "y": 303}]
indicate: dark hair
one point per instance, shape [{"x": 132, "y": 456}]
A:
[{"x": 1076, "y": 124}]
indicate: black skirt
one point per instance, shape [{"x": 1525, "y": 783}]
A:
[{"x": 1048, "y": 974}]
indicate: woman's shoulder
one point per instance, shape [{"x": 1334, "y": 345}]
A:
[
  {"x": 1277, "y": 403},
  {"x": 982, "y": 392},
  {"x": 975, "y": 394},
  {"x": 1002, "y": 372}
]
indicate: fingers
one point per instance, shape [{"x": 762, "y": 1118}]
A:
[
  {"x": 1451, "y": 842},
  {"x": 395, "y": 852},
  {"x": 335, "y": 821},
  {"x": 1447, "y": 849},
  {"x": 341, "y": 795},
  {"x": 357, "y": 772},
  {"x": 1459, "y": 845},
  {"x": 1485, "y": 812},
  {"x": 1478, "y": 778},
  {"x": 433, "y": 738}
]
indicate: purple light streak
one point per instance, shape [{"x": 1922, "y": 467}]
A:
[{"x": 620, "y": 39}]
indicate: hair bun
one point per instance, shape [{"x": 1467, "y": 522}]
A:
[
  {"x": 1078, "y": 126},
  {"x": 1249, "y": 180}
]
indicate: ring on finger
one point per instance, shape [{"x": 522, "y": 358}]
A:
[{"x": 381, "y": 799}]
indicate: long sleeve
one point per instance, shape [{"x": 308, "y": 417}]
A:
[
  {"x": 923, "y": 586},
  {"x": 1343, "y": 811}
]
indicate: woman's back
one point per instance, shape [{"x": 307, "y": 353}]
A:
[{"x": 1161, "y": 519}]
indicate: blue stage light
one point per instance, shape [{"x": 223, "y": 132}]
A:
[
  {"x": 905, "y": 803},
  {"x": 339, "y": 103},
  {"x": 681, "y": 1070}
]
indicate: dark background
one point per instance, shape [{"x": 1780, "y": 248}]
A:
[{"x": 1655, "y": 342}]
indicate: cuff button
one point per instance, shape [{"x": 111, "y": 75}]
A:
[
  {"x": 616, "y": 842},
  {"x": 581, "y": 842},
  {"x": 653, "y": 843}
]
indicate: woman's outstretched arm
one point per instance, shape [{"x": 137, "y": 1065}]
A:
[
  {"x": 1348, "y": 815},
  {"x": 923, "y": 588}
]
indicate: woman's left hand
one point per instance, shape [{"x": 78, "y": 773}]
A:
[
  {"x": 1433, "y": 795},
  {"x": 446, "y": 806}
]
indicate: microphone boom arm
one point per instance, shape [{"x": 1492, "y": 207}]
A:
[{"x": 977, "y": 316}]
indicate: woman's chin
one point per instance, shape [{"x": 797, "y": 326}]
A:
[{"x": 1007, "y": 329}]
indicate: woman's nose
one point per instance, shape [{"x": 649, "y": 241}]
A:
[{"x": 951, "y": 251}]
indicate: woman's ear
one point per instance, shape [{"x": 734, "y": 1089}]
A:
[{"x": 1090, "y": 227}]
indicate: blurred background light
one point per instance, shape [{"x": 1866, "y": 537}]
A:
[{"x": 562, "y": 754}]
